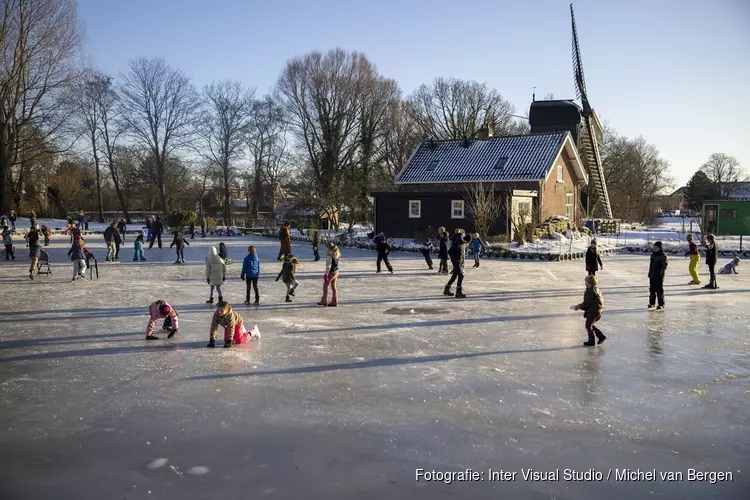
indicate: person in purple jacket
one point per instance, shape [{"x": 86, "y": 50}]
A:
[{"x": 78, "y": 256}]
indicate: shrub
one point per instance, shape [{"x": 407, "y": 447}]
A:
[{"x": 178, "y": 219}]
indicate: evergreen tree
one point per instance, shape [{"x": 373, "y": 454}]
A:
[{"x": 699, "y": 189}]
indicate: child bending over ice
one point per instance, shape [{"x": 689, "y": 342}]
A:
[
  {"x": 731, "y": 267},
  {"x": 157, "y": 310},
  {"x": 234, "y": 329}
]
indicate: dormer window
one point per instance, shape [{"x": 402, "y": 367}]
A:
[
  {"x": 431, "y": 166},
  {"x": 500, "y": 164}
]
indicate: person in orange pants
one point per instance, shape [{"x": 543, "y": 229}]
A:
[
  {"x": 695, "y": 258},
  {"x": 331, "y": 277}
]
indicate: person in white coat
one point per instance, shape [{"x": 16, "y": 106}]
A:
[{"x": 216, "y": 274}]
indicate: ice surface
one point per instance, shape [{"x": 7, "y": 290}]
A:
[{"x": 349, "y": 402}]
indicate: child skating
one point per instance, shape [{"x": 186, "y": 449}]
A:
[
  {"x": 457, "y": 254},
  {"x": 234, "y": 328},
  {"x": 216, "y": 274},
  {"x": 331, "y": 277},
  {"x": 427, "y": 248},
  {"x": 179, "y": 241},
  {"x": 138, "y": 246},
  {"x": 250, "y": 274},
  {"x": 731, "y": 267},
  {"x": 592, "y": 307},
  {"x": 288, "y": 268},
  {"x": 158, "y": 310},
  {"x": 712, "y": 256},
  {"x": 77, "y": 255},
  {"x": 477, "y": 247},
  {"x": 695, "y": 258},
  {"x": 316, "y": 245},
  {"x": 383, "y": 249},
  {"x": 593, "y": 259},
  {"x": 656, "y": 270}
]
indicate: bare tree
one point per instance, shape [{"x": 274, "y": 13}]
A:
[
  {"x": 402, "y": 136},
  {"x": 457, "y": 109},
  {"x": 223, "y": 130},
  {"x": 38, "y": 40},
  {"x": 484, "y": 205},
  {"x": 267, "y": 130},
  {"x": 158, "y": 108},
  {"x": 724, "y": 171},
  {"x": 321, "y": 97}
]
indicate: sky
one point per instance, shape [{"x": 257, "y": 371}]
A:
[{"x": 675, "y": 72}]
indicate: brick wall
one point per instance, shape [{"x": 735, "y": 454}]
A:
[{"x": 553, "y": 192}]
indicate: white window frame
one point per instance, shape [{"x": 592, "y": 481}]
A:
[
  {"x": 453, "y": 209},
  {"x": 560, "y": 173},
  {"x": 572, "y": 198},
  {"x": 419, "y": 204}
]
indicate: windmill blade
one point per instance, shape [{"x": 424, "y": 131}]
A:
[{"x": 580, "y": 81}]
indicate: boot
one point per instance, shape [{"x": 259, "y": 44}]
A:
[
  {"x": 334, "y": 303},
  {"x": 227, "y": 345},
  {"x": 152, "y": 337},
  {"x": 590, "y": 341},
  {"x": 247, "y": 302},
  {"x": 460, "y": 293},
  {"x": 447, "y": 291},
  {"x": 477, "y": 264},
  {"x": 210, "y": 300},
  {"x": 211, "y": 343},
  {"x": 322, "y": 303},
  {"x": 288, "y": 299},
  {"x": 600, "y": 336},
  {"x": 221, "y": 299},
  {"x": 257, "y": 301}
]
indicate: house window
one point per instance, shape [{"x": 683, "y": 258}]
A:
[
  {"x": 457, "y": 209},
  {"x": 569, "y": 205},
  {"x": 415, "y": 209},
  {"x": 730, "y": 214},
  {"x": 560, "y": 173}
]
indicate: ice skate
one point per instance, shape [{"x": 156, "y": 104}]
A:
[
  {"x": 322, "y": 303},
  {"x": 247, "y": 302},
  {"x": 659, "y": 308},
  {"x": 211, "y": 343},
  {"x": 589, "y": 343},
  {"x": 210, "y": 301},
  {"x": 152, "y": 337},
  {"x": 221, "y": 299},
  {"x": 601, "y": 337},
  {"x": 227, "y": 345},
  {"x": 447, "y": 291},
  {"x": 651, "y": 307},
  {"x": 460, "y": 294},
  {"x": 288, "y": 299},
  {"x": 171, "y": 334}
]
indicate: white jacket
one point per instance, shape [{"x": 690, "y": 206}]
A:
[{"x": 216, "y": 269}]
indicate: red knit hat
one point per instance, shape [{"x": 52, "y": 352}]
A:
[{"x": 165, "y": 308}]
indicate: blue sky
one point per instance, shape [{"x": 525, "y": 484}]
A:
[{"x": 676, "y": 72}]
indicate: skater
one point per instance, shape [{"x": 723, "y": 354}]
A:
[
  {"x": 180, "y": 242},
  {"x": 47, "y": 233},
  {"x": 192, "y": 230},
  {"x": 288, "y": 268},
  {"x": 121, "y": 228},
  {"x": 157, "y": 310},
  {"x": 730, "y": 267},
  {"x": 477, "y": 247},
  {"x": 86, "y": 223},
  {"x": 316, "y": 244},
  {"x": 32, "y": 219},
  {"x": 34, "y": 250},
  {"x": 331, "y": 277},
  {"x": 427, "y": 248},
  {"x": 13, "y": 218},
  {"x": 457, "y": 253},
  {"x": 656, "y": 269},
  {"x": 157, "y": 230},
  {"x": 250, "y": 274},
  {"x": 138, "y": 246},
  {"x": 234, "y": 329},
  {"x": 443, "y": 253},
  {"x": 285, "y": 238},
  {"x": 216, "y": 274},
  {"x": 203, "y": 227},
  {"x": 224, "y": 253},
  {"x": 118, "y": 244},
  {"x": 109, "y": 239},
  {"x": 383, "y": 249},
  {"x": 592, "y": 307},
  {"x": 3, "y": 222},
  {"x": 695, "y": 258},
  {"x": 712, "y": 255},
  {"x": 77, "y": 255},
  {"x": 593, "y": 259},
  {"x": 81, "y": 218},
  {"x": 149, "y": 228},
  {"x": 10, "y": 254}
]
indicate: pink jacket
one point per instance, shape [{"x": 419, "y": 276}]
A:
[{"x": 155, "y": 314}]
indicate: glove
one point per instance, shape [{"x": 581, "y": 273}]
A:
[
  {"x": 224, "y": 278},
  {"x": 326, "y": 278},
  {"x": 277, "y": 279},
  {"x": 208, "y": 281}
]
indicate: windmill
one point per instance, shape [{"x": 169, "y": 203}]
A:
[{"x": 591, "y": 134}]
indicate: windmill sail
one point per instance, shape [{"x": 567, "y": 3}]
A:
[{"x": 588, "y": 142}]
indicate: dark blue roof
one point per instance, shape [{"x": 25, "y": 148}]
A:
[{"x": 496, "y": 159}]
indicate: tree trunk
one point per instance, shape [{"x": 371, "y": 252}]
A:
[
  {"x": 227, "y": 201},
  {"x": 100, "y": 202},
  {"x": 54, "y": 193},
  {"x": 258, "y": 191},
  {"x": 5, "y": 179}
]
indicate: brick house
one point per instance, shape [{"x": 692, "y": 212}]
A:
[{"x": 540, "y": 173}]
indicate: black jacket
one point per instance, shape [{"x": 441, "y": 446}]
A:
[
  {"x": 223, "y": 252},
  {"x": 158, "y": 227},
  {"x": 457, "y": 251},
  {"x": 658, "y": 265},
  {"x": 121, "y": 226},
  {"x": 593, "y": 260},
  {"x": 179, "y": 240},
  {"x": 443, "y": 253},
  {"x": 382, "y": 247},
  {"x": 109, "y": 233},
  {"x": 712, "y": 253}
]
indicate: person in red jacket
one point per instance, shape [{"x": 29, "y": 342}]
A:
[{"x": 157, "y": 310}]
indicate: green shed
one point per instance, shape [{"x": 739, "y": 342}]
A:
[{"x": 727, "y": 217}]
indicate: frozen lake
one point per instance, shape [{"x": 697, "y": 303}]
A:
[{"x": 350, "y": 402}]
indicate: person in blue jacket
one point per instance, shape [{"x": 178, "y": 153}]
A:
[
  {"x": 250, "y": 274},
  {"x": 477, "y": 247}
]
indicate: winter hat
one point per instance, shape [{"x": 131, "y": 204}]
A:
[
  {"x": 689, "y": 237},
  {"x": 467, "y": 238},
  {"x": 164, "y": 308},
  {"x": 658, "y": 244}
]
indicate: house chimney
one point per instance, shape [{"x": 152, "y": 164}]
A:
[{"x": 485, "y": 132}]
